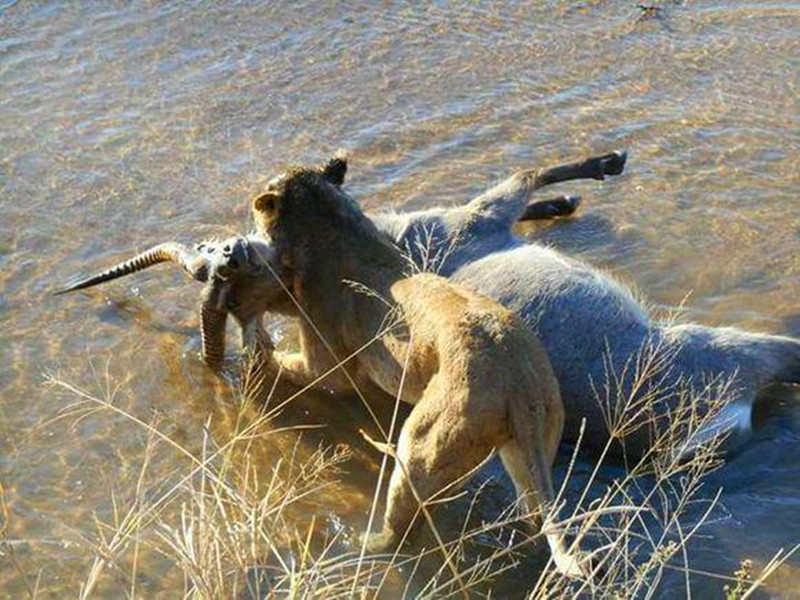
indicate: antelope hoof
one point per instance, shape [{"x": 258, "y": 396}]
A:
[{"x": 614, "y": 163}]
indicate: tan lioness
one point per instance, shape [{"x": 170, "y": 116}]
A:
[{"x": 479, "y": 380}]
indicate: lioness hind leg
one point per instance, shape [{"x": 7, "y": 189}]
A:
[
  {"x": 529, "y": 469},
  {"x": 532, "y": 494},
  {"x": 436, "y": 448}
]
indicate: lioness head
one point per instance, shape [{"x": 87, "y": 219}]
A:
[{"x": 298, "y": 189}]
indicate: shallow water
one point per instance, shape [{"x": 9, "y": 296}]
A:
[{"x": 124, "y": 126}]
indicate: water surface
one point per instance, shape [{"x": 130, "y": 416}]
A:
[{"x": 124, "y": 125}]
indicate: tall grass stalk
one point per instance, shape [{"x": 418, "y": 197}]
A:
[
  {"x": 233, "y": 527},
  {"x": 230, "y": 527}
]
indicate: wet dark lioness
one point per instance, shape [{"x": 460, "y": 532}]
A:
[{"x": 478, "y": 379}]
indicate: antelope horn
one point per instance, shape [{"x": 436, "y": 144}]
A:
[
  {"x": 213, "y": 317},
  {"x": 191, "y": 261}
]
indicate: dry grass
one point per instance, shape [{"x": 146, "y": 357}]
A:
[{"x": 233, "y": 527}]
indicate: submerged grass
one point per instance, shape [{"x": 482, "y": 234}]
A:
[{"x": 234, "y": 527}]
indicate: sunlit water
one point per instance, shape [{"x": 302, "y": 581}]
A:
[{"x": 124, "y": 126}]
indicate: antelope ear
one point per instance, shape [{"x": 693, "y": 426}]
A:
[
  {"x": 266, "y": 203},
  {"x": 335, "y": 169}
]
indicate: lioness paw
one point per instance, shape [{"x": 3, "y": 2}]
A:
[{"x": 377, "y": 543}]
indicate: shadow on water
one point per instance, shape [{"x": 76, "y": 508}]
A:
[{"x": 584, "y": 235}]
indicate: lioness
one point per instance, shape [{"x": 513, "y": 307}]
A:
[{"x": 478, "y": 379}]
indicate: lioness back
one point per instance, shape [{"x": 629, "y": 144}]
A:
[{"x": 475, "y": 335}]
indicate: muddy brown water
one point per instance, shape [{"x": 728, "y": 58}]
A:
[{"x": 127, "y": 124}]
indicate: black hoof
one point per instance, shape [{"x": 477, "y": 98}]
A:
[
  {"x": 551, "y": 209},
  {"x": 614, "y": 163}
]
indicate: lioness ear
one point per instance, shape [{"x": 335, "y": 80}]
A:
[
  {"x": 335, "y": 169},
  {"x": 266, "y": 203}
]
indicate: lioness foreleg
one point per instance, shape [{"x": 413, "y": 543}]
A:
[
  {"x": 439, "y": 444},
  {"x": 294, "y": 366}
]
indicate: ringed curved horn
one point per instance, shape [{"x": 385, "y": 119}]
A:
[
  {"x": 191, "y": 261},
  {"x": 213, "y": 317}
]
